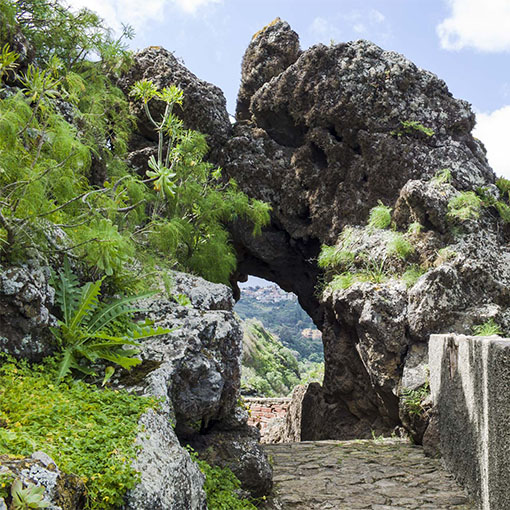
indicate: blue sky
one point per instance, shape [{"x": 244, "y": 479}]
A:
[{"x": 465, "y": 42}]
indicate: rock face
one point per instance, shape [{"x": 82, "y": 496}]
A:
[
  {"x": 203, "y": 108},
  {"x": 270, "y": 52},
  {"x": 26, "y": 299},
  {"x": 337, "y": 130},
  {"x": 195, "y": 371}
]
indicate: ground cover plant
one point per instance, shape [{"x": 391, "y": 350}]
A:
[{"x": 90, "y": 432}]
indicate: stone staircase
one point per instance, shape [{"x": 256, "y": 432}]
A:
[{"x": 363, "y": 474}]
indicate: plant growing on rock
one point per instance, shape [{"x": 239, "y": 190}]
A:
[
  {"x": 193, "y": 203},
  {"x": 465, "y": 206},
  {"x": 412, "y": 274},
  {"x": 443, "y": 176},
  {"x": 24, "y": 498},
  {"x": 399, "y": 246},
  {"x": 85, "y": 332},
  {"x": 409, "y": 127},
  {"x": 380, "y": 216},
  {"x": 488, "y": 328},
  {"x": 414, "y": 399}
]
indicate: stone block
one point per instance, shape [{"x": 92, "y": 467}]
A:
[{"x": 470, "y": 385}]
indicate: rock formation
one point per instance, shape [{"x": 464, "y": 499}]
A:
[{"x": 323, "y": 135}]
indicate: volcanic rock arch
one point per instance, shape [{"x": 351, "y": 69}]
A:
[{"x": 323, "y": 135}]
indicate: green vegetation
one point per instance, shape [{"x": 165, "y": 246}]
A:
[
  {"x": 443, "y": 176},
  {"x": 410, "y": 127},
  {"x": 488, "y": 328},
  {"x": 464, "y": 206},
  {"x": 221, "y": 487},
  {"x": 503, "y": 186},
  {"x": 399, "y": 246},
  {"x": 90, "y": 432},
  {"x": 415, "y": 228},
  {"x": 412, "y": 274},
  {"x": 269, "y": 368},
  {"x": 286, "y": 320},
  {"x": 70, "y": 180},
  {"x": 24, "y": 498},
  {"x": 414, "y": 399},
  {"x": 380, "y": 216},
  {"x": 91, "y": 330}
]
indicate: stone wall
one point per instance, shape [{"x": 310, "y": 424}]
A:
[
  {"x": 470, "y": 385},
  {"x": 264, "y": 410}
]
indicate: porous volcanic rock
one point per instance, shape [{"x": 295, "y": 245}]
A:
[
  {"x": 203, "y": 108},
  {"x": 339, "y": 129},
  {"x": 26, "y": 300},
  {"x": 270, "y": 52},
  {"x": 195, "y": 371}
]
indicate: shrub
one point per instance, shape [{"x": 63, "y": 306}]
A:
[
  {"x": 89, "y": 432},
  {"x": 380, "y": 216}
]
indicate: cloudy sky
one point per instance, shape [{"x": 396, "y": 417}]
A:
[{"x": 465, "y": 42}]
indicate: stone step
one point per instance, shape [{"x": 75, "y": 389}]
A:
[{"x": 366, "y": 474}]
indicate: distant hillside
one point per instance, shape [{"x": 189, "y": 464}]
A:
[
  {"x": 268, "y": 368},
  {"x": 281, "y": 314}
]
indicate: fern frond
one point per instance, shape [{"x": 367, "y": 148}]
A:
[
  {"x": 149, "y": 331},
  {"x": 111, "y": 311},
  {"x": 88, "y": 303},
  {"x": 67, "y": 291}
]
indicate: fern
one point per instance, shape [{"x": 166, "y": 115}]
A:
[{"x": 85, "y": 334}]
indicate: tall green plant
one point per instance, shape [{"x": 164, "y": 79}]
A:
[{"x": 85, "y": 333}]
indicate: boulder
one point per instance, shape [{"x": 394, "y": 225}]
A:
[
  {"x": 195, "y": 372},
  {"x": 271, "y": 51},
  {"x": 204, "y": 105}
]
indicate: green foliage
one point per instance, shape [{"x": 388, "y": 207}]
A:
[
  {"x": 399, "y": 246},
  {"x": 269, "y": 368},
  {"x": 8, "y": 62},
  {"x": 24, "y": 498},
  {"x": 84, "y": 333},
  {"x": 488, "y": 328},
  {"x": 380, "y": 216},
  {"x": 56, "y": 31},
  {"x": 221, "y": 487},
  {"x": 331, "y": 256},
  {"x": 373, "y": 271},
  {"x": 412, "y": 274},
  {"x": 342, "y": 281},
  {"x": 443, "y": 176},
  {"x": 415, "y": 228},
  {"x": 286, "y": 320},
  {"x": 410, "y": 127},
  {"x": 503, "y": 186},
  {"x": 414, "y": 399},
  {"x": 90, "y": 432},
  {"x": 192, "y": 205},
  {"x": 464, "y": 206}
]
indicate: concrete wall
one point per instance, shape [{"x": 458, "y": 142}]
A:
[{"x": 470, "y": 385}]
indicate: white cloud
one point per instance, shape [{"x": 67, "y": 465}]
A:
[
  {"x": 483, "y": 25},
  {"x": 137, "y": 13},
  {"x": 492, "y": 129},
  {"x": 376, "y": 17},
  {"x": 324, "y": 31}
]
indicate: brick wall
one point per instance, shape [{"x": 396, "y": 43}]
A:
[{"x": 262, "y": 410}]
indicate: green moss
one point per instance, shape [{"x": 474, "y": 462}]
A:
[
  {"x": 88, "y": 431},
  {"x": 410, "y": 127}
]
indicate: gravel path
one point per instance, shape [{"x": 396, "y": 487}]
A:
[{"x": 351, "y": 475}]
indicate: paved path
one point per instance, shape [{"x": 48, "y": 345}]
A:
[{"x": 352, "y": 475}]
